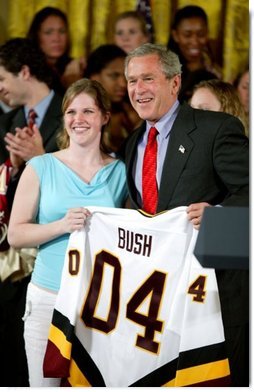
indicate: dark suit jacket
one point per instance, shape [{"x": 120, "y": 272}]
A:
[
  {"x": 49, "y": 127},
  {"x": 214, "y": 168}
]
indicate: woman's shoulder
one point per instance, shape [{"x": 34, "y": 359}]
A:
[
  {"x": 114, "y": 164},
  {"x": 115, "y": 167},
  {"x": 120, "y": 165},
  {"x": 39, "y": 159},
  {"x": 41, "y": 162}
]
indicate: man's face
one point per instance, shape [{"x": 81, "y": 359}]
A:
[
  {"x": 151, "y": 93},
  {"x": 113, "y": 80},
  {"x": 12, "y": 88}
]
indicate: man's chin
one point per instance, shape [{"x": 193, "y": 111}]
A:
[{"x": 144, "y": 114}]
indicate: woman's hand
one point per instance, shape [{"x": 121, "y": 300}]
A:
[{"x": 75, "y": 219}]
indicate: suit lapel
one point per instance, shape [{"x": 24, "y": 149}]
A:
[
  {"x": 178, "y": 152},
  {"x": 18, "y": 120},
  {"x": 130, "y": 160},
  {"x": 52, "y": 115}
]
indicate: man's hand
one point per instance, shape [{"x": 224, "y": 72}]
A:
[
  {"x": 195, "y": 213},
  {"x": 24, "y": 145}
]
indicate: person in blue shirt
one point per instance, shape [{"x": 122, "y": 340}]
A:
[
  {"x": 50, "y": 204},
  {"x": 25, "y": 84}
]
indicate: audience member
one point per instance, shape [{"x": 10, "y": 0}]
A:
[
  {"x": 130, "y": 30},
  {"x": 50, "y": 31},
  {"x": 202, "y": 161},
  {"x": 24, "y": 82},
  {"x": 219, "y": 96},
  {"x": 242, "y": 84},
  {"x": 106, "y": 65},
  {"x": 60, "y": 185},
  {"x": 190, "y": 41}
]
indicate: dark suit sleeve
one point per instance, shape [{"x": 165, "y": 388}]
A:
[{"x": 231, "y": 161}]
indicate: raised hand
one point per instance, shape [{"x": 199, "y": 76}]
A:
[{"x": 24, "y": 145}]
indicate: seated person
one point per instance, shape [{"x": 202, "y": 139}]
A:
[
  {"x": 130, "y": 30},
  {"x": 219, "y": 96},
  {"x": 190, "y": 41},
  {"x": 50, "y": 31},
  {"x": 242, "y": 84},
  {"x": 106, "y": 65}
]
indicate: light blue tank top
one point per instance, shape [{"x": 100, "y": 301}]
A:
[{"x": 60, "y": 189}]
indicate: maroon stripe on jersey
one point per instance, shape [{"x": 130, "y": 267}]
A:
[{"x": 55, "y": 365}]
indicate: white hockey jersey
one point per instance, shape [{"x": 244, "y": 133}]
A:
[{"x": 135, "y": 307}]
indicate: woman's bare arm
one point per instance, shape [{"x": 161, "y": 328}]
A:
[{"x": 23, "y": 230}]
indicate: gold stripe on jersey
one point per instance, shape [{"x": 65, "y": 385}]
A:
[
  {"x": 203, "y": 364},
  {"x": 77, "y": 378},
  {"x": 58, "y": 338},
  {"x": 144, "y": 213},
  {"x": 201, "y": 373}
]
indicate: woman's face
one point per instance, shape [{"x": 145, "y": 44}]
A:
[
  {"x": 84, "y": 120},
  {"x": 191, "y": 35},
  {"x": 113, "y": 80},
  {"x": 53, "y": 37},
  {"x": 203, "y": 98},
  {"x": 243, "y": 90},
  {"x": 129, "y": 35}
]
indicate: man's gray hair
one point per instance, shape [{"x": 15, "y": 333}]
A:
[{"x": 170, "y": 62}]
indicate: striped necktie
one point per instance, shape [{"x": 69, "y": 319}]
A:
[
  {"x": 149, "y": 183},
  {"x": 31, "y": 118}
]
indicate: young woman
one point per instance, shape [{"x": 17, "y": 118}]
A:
[
  {"x": 218, "y": 96},
  {"x": 56, "y": 188},
  {"x": 242, "y": 86},
  {"x": 189, "y": 39},
  {"x": 106, "y": 65},
  {"x": 130, "y": 31},
  {"x": 50, "y": 31}
]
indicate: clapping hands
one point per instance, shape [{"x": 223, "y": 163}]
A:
[{"x": 24, "y": 144}]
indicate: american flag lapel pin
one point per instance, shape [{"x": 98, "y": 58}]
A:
[{"x": 181, "y": 149}]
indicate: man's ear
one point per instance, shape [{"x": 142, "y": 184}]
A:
[
  {"x": 176, "y": 84},
  {"x": 25, "y": 72}
]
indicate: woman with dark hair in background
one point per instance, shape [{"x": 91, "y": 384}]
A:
[
  {"x": 106, "y": 65},
  {"x": 49, "y": 30},
  {"x": 242, "y": 85},
  {"x": 189, "y": 40}
]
